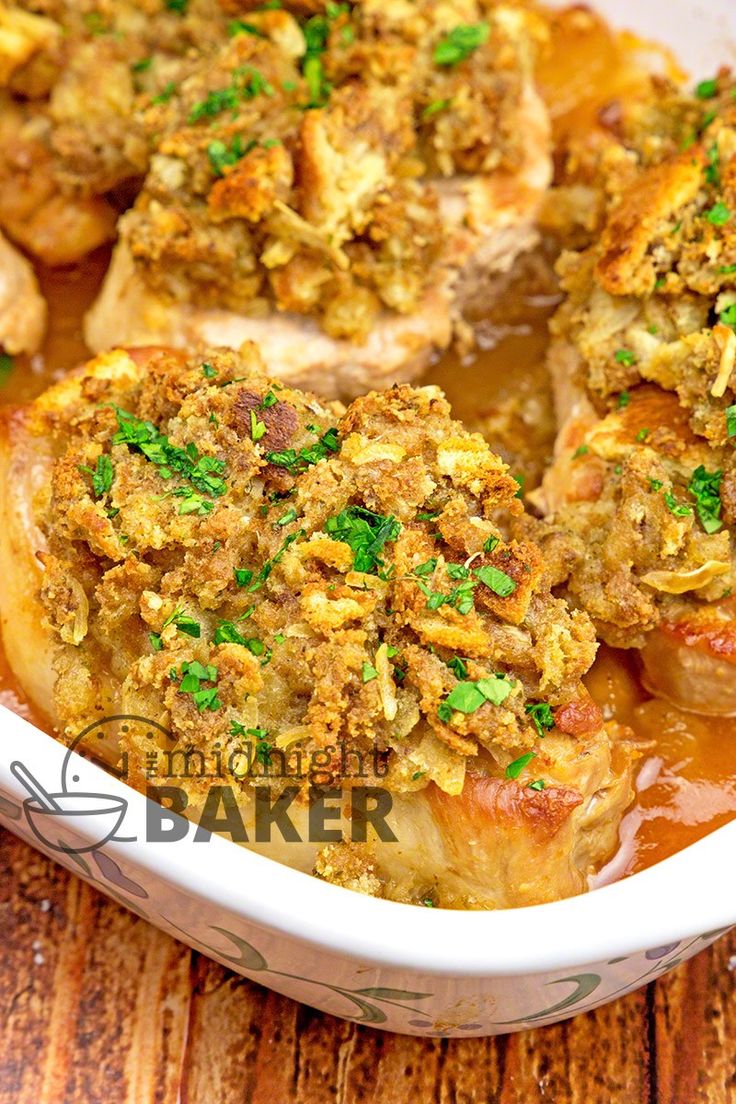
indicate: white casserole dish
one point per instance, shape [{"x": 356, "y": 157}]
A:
[{"x": 417, "y": 971}]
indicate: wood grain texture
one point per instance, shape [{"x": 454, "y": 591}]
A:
[{"x": 97, "y": 1006}]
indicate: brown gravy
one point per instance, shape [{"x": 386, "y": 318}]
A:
[{"x": 687, "y": 779}]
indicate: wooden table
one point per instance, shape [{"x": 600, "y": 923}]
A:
[{"x": 96, "y": 1005}]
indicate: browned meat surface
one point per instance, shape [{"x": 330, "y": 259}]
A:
[
  {"x": 22, "y": 308},
  {"x": 333, "y": 188},
  {"x": 188, "y": 539}
]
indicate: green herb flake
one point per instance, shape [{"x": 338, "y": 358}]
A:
[
  {"x": 6, "y": 368},
  {"x": 102, "y": 475},
  {"x": 208, "y": 371},
  {"x": 581, "y": 450},
  {"x": 643, "y": 434},
  {"x": 288, "y": 517},
  {"x": 536, "y": 785},
  {"x": 460, "y": 43},
  {"x": 514, "y": 769},
  {"x": 258, "y": 429},
  {"x": 165, "y": 94},
  {"x": 713, "y": 168},
  {"x": 296, "y": 462},
  {"x": 731, "y": 421},
  {"x": 192, "y": 676},
  {"x": 459, "y": 667},
  {"x": 718, "y": 215},
  {"x": 426, "y": 568},
  {"x": 366, "y": 533},
  {"x": 497, "y": 581},
  {"x": 435, "y": 107},
  {"x": 679, "y": 509},
  {"x": 203, "y": 472},
  {"x": 625, "y": 357},
  {"x": 369, "y": 672},
  {"x": 705, "y": 487},
  {"x": 707, "y": 89},
  {"x": 541, "y": 716}
]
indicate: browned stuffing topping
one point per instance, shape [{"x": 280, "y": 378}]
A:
[
  {"x": 294, "y": 157},
  {"x": 655, "y": 298},
  {"x": 300, "y": 573}
]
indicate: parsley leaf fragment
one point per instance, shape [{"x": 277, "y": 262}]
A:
[{"x": 460, "y": 43}]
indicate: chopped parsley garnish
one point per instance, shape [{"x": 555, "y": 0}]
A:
[
  {"x": 497, "y": 581},
  {"x": 366, "y": 533},
  {"x": 192, "y": 676},
  {"x": 581, "y": 450},
  {"x": 656, "y": 484},
  {"x": 222, "y": 156},
  {"x": 731, "y": 421},
  {"x": 239, "y": 26},
  {"x": 179, "y": 6},
  {"x": 536, "y": 785},
  {"x": 718, "y": 215},
  {"x": 185, "y": 623},
  {"x": 707, "y": 89},
  {"x": 429, "y": 515},
  {"x": 316, "y": 32},
  {"x": 490, "y": 543},
  {"x": 369, "y": 672},
  {"x": 6, "y": 367},
  {"x": 208, "y": 371},
  {"x": 541, "y": 716},
  {"x": 426, "y": 568},
  {"x": 624, "y": 399},
  {"x": 514, "y": 769},
  {"x": 295, "y": 462},
  {"x": 165, "y": 94},
  {"x": 459, "y": 667},
  {"x": 227, "y": 632},
  {"x": 142, "y": 65},
  {"x": 258, "y": 429},
  {"x": 728, "y": 316},
  {"x": 727, "y": 270},
  {"x": 705, "y": 487},
  {"x": 102, "y": 475},
  {"x": 460, "y": 43},
  {"x": 269, "y": 400},
  {"x": 457, "y": 571},
  {"x": 625, "y": 357},
  {"x": 679, "y": 509},
  {"x": 288, "y": 517},
  {"x": 461, "y": 598},
  {"x": 247, "y": 83},
  {"x": 468, "y": 697},
  {"x": 203, "y": 472},
  {"x": 244, "y": 577},
  {"x": 643, "y": 434},
  {"x": 713, "y": 168},
  {"x": 435, "y": 107}
]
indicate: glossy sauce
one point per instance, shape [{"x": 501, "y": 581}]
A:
[{"x": 687, "y": 778}]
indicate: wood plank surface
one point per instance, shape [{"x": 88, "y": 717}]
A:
[{"x": 97, "y": 1006}]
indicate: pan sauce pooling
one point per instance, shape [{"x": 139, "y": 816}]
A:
[{"x": 686, "y": 780}]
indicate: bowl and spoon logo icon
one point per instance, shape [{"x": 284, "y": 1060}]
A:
[{"x": 72, "y": 811}]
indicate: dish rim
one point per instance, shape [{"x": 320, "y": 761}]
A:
[{"x": 674, "y": 899}]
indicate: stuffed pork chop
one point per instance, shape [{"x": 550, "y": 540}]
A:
[
  {"x": 189, "y": 540},
  {"x": 334, "y": 187},
  {"x": 642, "y": 365}
]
